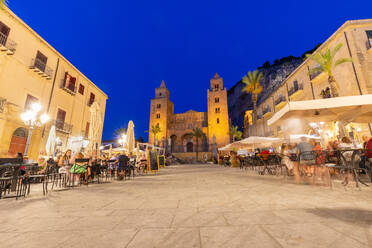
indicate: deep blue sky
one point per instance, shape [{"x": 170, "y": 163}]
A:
[{"x": 128, "y": 47}]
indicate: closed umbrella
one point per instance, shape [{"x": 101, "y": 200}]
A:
[
  {"x": 95, "y": 125},
  {"x": 130, "y": 137},
  {"x": 260, "y": 142},
  {"x": 51, "y": 142}
]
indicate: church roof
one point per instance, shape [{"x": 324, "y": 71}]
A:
[
  {"x": 162, "y": 85},
  {"x": 216, "y": 75}
]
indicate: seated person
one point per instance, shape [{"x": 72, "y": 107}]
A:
[{"x": 265, "y": 154}]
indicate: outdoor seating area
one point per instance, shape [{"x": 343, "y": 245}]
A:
[
  {"x": 307, "y": 162},
  {"x": 18, "y": 177}
]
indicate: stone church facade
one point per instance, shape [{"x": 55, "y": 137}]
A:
[{"x": 176, "y": 128}]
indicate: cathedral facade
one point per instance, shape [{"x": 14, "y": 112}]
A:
[{"x": 176, "y": 128}]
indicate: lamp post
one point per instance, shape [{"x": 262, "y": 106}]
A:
[{"x": 32, "y": 118}]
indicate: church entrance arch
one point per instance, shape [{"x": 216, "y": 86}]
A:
[
  {"x": 18, "y": 141},
  {"x": 190, "y": 147}
]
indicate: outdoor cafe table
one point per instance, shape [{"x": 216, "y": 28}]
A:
[{"x": 16, "y": 172}]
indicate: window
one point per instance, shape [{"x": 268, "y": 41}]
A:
[
  {"x": 157, "y": 116},
  {"x": 216, "y": 86},
  {"x": 61, "y": 115},
  {"x": 216, "y": 100},
  {"x": 295, "y": 85},
  {"x": 160, "y": 94},
  {"x": 87, "y": 126},
  {"x": 91, "y": 98},
  {"x": 29, "y": 101},
  {"x": 4, "y": 33},
  {"x": 158, "y": 106},
  {"x": 218, "y": 120},
  {"x": 70, "y": 82},
  {"x": 218, "y": 110},
  {"x": 369, "y": 36},
  {"x": 81, "y": 89},
  {"x": 41, "y": 61}
]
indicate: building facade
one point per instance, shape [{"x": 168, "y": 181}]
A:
[
  {"x": 176, "y": 128},
  {"x": 33, "y": 71},
  {"x": 354, "y": 78}
]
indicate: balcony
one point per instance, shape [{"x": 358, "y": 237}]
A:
[
  {"x": 41, "y": 68},
  {"x": 295, "y": 90},
  {"x": 71, "y": 88},
  {"x": 269, "y": 133},
  {"x": 280, "y": 102},
  {"x": 7, "y": 45},
  {"x": 317, "y": 77},
  {"x": 267, "y": 111},
  {"x": 62, "y": 126}
]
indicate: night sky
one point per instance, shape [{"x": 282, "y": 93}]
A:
[{"x": 128, "y": 47}]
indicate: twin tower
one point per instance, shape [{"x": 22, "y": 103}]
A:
[{"x": 176, "y": 128}]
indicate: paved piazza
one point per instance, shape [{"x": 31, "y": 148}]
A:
[{"x": 191, "y": 206}]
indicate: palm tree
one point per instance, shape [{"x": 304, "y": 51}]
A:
[
  {"x": 253, "y": 86},
  {"x": 155, "y": 130},
  {"x": 326, "y": 64},
  {"x": 235, "y": 133},
  {"x": 3, "y": 3},
  {"x": 119, "y": 132},
  {"x": 198, "y": 134}
]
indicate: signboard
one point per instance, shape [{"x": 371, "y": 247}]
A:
[{"x": 161, "y": 161}]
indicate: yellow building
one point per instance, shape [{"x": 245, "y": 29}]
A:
[
  {"x": 33, "y": 71},
  {"x": 175, "y": 128},
  {"x": 353, "y": 78}
]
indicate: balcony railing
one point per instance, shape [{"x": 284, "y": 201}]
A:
[
  {"x": 62, "y": 126},
  {"x": 294, "y": 89},
  {"x": 7, "y": 44},
  {"x": 71, "y": 88},
  {"x": 280, "y": 100},
  {"x": 266, "y": 110},
  {"x": 315, "y": 74},
  {"x": 40, "y": 67}
]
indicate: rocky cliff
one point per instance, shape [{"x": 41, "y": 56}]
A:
[{"x": 273, "y": 76}]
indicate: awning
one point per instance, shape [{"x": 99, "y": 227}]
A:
[{"x": 348, "y": 108}]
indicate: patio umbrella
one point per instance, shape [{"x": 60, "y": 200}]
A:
[
  {"x": 130, "y": 140},
  {"x": 51, "y": 142},
  {"x": 260, "y": 142},
  {"x": 297, "y": 137},
  {"x": 95, "y": 125}
]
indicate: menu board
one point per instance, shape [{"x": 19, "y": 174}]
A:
[{"x": 154, "y": 166}]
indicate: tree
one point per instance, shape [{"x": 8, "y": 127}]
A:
[
  {"x": 235, "y": 133},
  {"x": 155, "y": 130},
  {"x": 119, "y": 132},
  {"x": 198, "y": 134},
  {"x": 253, "y": 86},
  {"x": 326, "y": 63},
  {"x": 3, "y": 3}
]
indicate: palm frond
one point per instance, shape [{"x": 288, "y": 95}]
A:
[
  {"x": 3, "y": 3},
  {"x": 341, "y": 61},
  {"x": 316, "y": 70},
  {"x": 336, "y": 49}
]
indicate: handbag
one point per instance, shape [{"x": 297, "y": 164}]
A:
[{"x": 77, "y": 169}]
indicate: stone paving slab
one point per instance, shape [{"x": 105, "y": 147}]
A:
[{"x": 191, "y": 206}]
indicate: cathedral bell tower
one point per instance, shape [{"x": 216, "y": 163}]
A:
[
  {"x": 161, "y": 110},
  {"x": 218, "y": 115}
]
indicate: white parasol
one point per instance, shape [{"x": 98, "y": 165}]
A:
[
  {"x": 130, "y": 140},
  {"x": 260, "y": 142},
  {"x": 95, "y": 125},
  {"x": 51, "y": 142}
]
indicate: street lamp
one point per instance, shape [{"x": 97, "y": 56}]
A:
[
  {"x": 123, "y": 139},
  {"x": 32, "y": 118}
]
